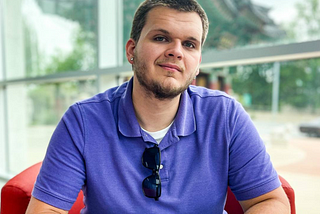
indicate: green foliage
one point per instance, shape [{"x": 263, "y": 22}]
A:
[
  {"x": 82, "y": 57},
  {"x": 309, "y": 16},
  {"x": 42, "y": 105},
  {"x": 49, "y": 101},
  {"x": 306, "y": 25},
  {"x": 300, "y": 80},
  {"x": 254, "y": 80},
  {"x": 300, "y": 84},
  {"x": 86, "y": 14}
]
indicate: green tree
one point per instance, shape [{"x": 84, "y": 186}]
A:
[
  {"x": 300, "y": 84},
  {"x": 300, "y": 80},
  {"x": 50, "y": 101},
  {"x": 256, "y": 81},
  {"x": 82, "y": 57},
  {"x": 308, "y": 18}
]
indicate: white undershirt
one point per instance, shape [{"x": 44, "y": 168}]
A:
[{"x": 159, "y": 135}]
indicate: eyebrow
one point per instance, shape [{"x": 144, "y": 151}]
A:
[{"x": 168, "y": 33}]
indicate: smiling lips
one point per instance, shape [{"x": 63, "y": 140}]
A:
[{"x": 170, "y": 67}]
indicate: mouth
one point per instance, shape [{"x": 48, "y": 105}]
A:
[{"x": 170, "y": 67}]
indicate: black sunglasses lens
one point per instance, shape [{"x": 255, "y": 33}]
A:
[
  {"x": 152, "y": 186},
  {"x": 151, "y": 158}
]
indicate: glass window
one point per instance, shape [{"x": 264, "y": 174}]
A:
[
  {"x": 299, "y": 88},
  {"x": 31, "y": 127},
  {"x": 298, "y": 18},
  {"x": 129, "y": 8},
  {"x": 257, "y": 22},
  {"x": 1, "y": 46},
  {"x": 236, "y": 24},
  {"x": 51, "y": 37},
  {"x": 293, "y": 150},
  {"x": 253, "y": 85},
  {"x": 2, "y": 133}
]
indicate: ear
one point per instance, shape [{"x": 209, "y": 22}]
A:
[
  {"x": 130, "y": 46},
  {"x": 198, "y": 70}
]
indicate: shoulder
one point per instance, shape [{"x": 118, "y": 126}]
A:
[
  {"x": 213, "y": 101},
  {"x": 202, "y": 92},
  {"x": 198, "y": 93}
]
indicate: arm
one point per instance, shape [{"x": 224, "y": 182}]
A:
[
  {"x": 252, "y": 177},
  {"x": 64, "y": 158},
  {"x": 275, "y": 201},
  {"x": 37, "y": 207}
]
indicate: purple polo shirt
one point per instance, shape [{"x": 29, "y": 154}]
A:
[{"x": 98, "y": 145}]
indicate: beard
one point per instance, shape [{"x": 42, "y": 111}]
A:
[{"x": 155, "y": 88}]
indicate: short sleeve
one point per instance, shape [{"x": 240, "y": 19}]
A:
[
  {"x": 62, "y": 174},
  {"x": 251, "y": 173}
]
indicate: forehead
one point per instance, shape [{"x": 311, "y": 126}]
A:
[{"x": 174, "y": 21}]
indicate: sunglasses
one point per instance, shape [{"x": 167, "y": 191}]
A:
[{"x": 151, "y": 185}]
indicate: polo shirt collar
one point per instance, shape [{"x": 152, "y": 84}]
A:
[
  {"x": 127, "y": 120},
  {"x": 185, "y": 122},
  {"x": 183, "y": 125}
]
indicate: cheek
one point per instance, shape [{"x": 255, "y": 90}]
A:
[
  {"x": 150, "y": 51},
  {"x": 192, "y": 63}
]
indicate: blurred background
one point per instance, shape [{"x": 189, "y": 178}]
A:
[{"x": 264, "y": 53}]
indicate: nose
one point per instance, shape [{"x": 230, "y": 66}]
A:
[{"x": 174, "y": 51}]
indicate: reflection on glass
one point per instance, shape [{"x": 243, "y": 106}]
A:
[
  {"x": 31, "y": 127},
  {"x": 59, "y": 36}
]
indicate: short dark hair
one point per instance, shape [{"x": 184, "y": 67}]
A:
[{"x": 140, "y": 16}]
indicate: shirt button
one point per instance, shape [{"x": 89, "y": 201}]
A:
[{"x": 161, "y": 166}]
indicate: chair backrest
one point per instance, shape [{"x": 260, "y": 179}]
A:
[{"x": 16, "y": 194}]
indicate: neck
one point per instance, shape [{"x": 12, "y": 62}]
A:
[{"x": 153, "y": 114}]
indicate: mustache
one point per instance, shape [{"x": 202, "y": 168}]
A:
[{"x": 169, "y": 61}]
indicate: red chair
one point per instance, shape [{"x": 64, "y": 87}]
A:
[
  {"x": 16, "y": 194},
  {"x": 233, "y": 207}
]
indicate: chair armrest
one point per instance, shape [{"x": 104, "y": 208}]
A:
[{"x": 16, "y": 193}]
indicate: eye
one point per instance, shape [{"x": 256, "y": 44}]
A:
[
  {"x": 160, "y": 39},
  {"x": 189, "y": 45}
]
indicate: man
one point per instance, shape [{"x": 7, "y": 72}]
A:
[{"x": 193, "y": 142}]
